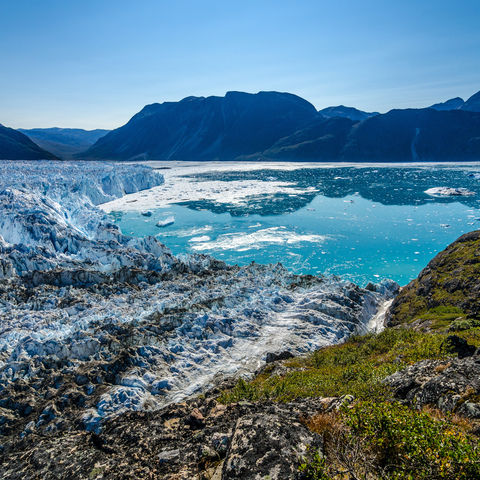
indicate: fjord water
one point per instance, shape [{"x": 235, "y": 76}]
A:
[{"x": 362, "y": 224}]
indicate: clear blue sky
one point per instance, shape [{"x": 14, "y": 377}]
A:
[{"x": 94, "y": 63}]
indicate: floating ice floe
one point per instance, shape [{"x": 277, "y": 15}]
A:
[
  {"x": 166, "y": 221},
  {"x": 257, "y": 239},
  {"x": 181, "y": 186},
  {"x": 449, "y": 192}
]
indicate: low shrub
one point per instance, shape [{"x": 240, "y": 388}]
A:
[
  {"x": 409, "y": 444},
  {"x": 388, "y": 440}
]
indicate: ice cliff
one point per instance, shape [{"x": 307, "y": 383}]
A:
[{"x": 94, "y": 323}]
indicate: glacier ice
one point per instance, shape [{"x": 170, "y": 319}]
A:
[{"x": 94, "y": 323}]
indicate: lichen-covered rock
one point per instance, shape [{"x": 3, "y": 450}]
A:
[
  {"x": 238, "y": 441},
  {"x": 267, "y": 446},
  {"x": 451, "y": 385}
]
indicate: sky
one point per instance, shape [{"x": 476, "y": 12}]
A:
[{"x": 95, "y": 63}]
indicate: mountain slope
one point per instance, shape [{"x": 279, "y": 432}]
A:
[
  {"x": 321, "y": 140},
  {"x": 15, "y": 145},
  {"x": 415, "y": 135},
  {"x": 452, "y": 104},
  {"x": 473, "y": 103},
  {"x": 346, "y": 112},
  {"x": 64, "y": 142},
  {"x": 199, "y": 128},
  {"x": 448, "y": 285}
]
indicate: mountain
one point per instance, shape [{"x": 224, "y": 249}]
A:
[
  {"x": 452, "y": 104},
  {"x": 399, "y": 135},
  {"x": 473, "y": 103},
  {"x": 211, "y": 128},
  {"x": 322, "y": 139},
  {"x": 15, "y": 145},
  {"x": 346, "y": 112},
  {"x": 64, "y": 142},
  {"x": 415, "y": 135},
  {"x": 282, "y": 126}
]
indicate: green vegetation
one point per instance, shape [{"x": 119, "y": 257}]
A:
[
  {"x": 374, "y": 437},
  {"x": 356, "y": 367},
  {"x": 388, "y": 440}
]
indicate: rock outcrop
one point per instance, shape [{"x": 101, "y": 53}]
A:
[
  {"x": 451, "y": 385},
  {"x": 241, "y": 441}
]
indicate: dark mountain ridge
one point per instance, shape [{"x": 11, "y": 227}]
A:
[
  {"x": 457, "y": 103},
  {"x": 282, "y": 126},
  {"x": 14, "y": 145},
  {"x": 199, "y": 128},
  {"x": 346, "y": 112},
  {"x": 415, "y": 135}
]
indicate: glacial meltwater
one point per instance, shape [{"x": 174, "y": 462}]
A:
[{"x": 363, "y": 223}]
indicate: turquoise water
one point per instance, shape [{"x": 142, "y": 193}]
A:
[{"x": 362, "y": 224}]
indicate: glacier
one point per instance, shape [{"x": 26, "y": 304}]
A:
[{"x": 95, "y": 323}]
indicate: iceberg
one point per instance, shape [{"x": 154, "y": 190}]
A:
[
  {"x": 166, "y": 221},
  {"x": 449, "y": 192}
]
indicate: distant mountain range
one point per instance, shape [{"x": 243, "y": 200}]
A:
[
  {"x": 280, "y": 126},
  {"x": 14, "y": 145},
  {"x": 457, "y": 103},
  {"x": 268, "y": 126},
  {"x": 64, "y": 142}
]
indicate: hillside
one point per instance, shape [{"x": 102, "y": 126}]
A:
[
  {"x": 15, "y": 145},
  {"x": 447, "y": 287},
  {"x": 415, "y": 135},
  {"x": 64, "y": 142}
]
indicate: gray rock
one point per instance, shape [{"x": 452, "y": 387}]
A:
[
  {"x": 273, "y": 357},
  {"x": 169, "y": 456},
  {"x": 267, "y": 446},
  {"x": 444, "y": 384}
]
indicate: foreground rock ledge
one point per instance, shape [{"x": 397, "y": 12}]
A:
[{"x": 198, "y": 439}]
